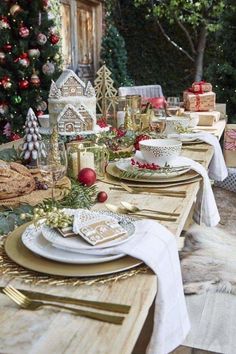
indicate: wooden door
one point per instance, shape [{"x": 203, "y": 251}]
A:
[{"x": 81, "y": 35}]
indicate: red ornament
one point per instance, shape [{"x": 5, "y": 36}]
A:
[
  {"x": 6, "y": 82},
  {"x": 54, "y": 38},
  {"x": 102, "y": 197},
  {"x": 39, "y": 113},
  {"x": 87, "y": 176},
  {"x": 24, "y": 32},
  {"x": 23, "y": 59},
  {"x": 15, "y": 136},
  {"x": 140, "y": 138},
  {"x": 35, "y": 80},
  {"x": 7, "y": 47},
  {"x": 23, "y": 84}
]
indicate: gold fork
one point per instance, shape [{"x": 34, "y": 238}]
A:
[
  {"x": 136, "y": 190},
  {"x": 27, "y": 303}
]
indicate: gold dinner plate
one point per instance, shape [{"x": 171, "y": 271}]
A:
[
  {"x": 19, "y": 254},
  {"x": 113, "y": 171}
]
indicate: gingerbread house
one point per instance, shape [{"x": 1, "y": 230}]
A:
[{"x": 72, "y": 104}]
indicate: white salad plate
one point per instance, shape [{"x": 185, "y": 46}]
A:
[
  {"x": 126, "y": 166},
  {"x": 33, "y": 239}
]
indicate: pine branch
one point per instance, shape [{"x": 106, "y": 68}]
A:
[{"x": 174, "y": 43}]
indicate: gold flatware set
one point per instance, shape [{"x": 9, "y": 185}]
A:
[
  {"x": 31, "y": 302},
  {"x": 153, "y": 214}
]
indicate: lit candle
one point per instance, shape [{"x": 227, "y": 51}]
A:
[
  {"x": 120, "y": 118},
  {"x": 86, "y": 160}
]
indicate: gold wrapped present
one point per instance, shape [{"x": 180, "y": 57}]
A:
[
  {"x": 197, "y": 102},
  {"x": 201, "y": 87},
  {"x": 205, "y": 118}
]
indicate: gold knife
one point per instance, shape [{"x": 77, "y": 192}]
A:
[{"x": 107, "y": 306}]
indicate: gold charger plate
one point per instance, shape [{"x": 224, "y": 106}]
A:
[
  {"x": 18, "y": 253},
  {"x": 113, "y": 171}
]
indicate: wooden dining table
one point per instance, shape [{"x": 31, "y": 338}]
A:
[{"x": 49, "y": 331}]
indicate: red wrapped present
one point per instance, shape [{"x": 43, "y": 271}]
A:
[
  {"x": 201, "y": 87},
  {"x": 199, "y": 102},
  {"x": 230, "y": 145}
]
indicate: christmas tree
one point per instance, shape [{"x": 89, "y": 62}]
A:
[
  {"x": 222, "y": 72},
  {"x": 114, "y": 56},
  {"x": 29, "y": 60}
]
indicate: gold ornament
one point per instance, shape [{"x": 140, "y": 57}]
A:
[{"x": 15, "y": 9}]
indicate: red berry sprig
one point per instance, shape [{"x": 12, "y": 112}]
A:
[{"x": 145, "y": 166}]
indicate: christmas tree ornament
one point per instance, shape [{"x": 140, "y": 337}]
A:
[
  {"x": 4, "y": 23},
  {"x": 46, "y": 4},
  {"x": 102, "y": 197},
  {"x": 15, "y": 136},
  {"x": 7, "y": 47},
  {"x": 31, "y": 139},
  {"x": 3, "y": 107},
  {"x": 42, "y": 106},
  {"x": 39, "y": 113},
  {"x": 23, "y": 60},
  {"x": 16, "y": 99},
  {"x": 24, "y": 84},
  {"x": 54, "y": 39},
  {"x": 24, "y": 32},
  {"x": 7, "y": 131},
  {"x": 48, "y": 68},
  {"x": 35, "y": 80},
  {"x": 41, "y": 39},
  {"x": 6, "y": 82},
  {"x": 34, "y": 53},
  {"x": 15, "y": 10},
  {"x": 87, "y": 176},
  {"x": 2, "y": 58}
]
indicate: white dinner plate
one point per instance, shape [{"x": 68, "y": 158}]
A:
[
  {"x": 33, "y": 239},
  {"x": 125, "y": 165},
  {"x": 78, "y": 244}
]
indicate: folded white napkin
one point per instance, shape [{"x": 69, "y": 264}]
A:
[
  {"x": 205, "y": 209},
  {"x": 217, "y": 168},
  {"x": 157, "y": 247}
]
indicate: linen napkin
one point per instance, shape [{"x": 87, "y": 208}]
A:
[
  {"x": 157, "y": 247},
  {"x": 205, "y": 209},
  {"x": 217, "y": 168}
]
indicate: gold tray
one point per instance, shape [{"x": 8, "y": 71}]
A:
[
  {"x": 113, "y": 171},
  {"x": 18, "y": 253}
]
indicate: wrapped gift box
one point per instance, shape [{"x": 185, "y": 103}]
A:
[
  {"x": 230, "y": 145},
  {"x": 197, "y": 102},
  {"x": 229, "y": 183},
  {"x": 201, "y": 86},
  {"x": 205, "y": 118}
]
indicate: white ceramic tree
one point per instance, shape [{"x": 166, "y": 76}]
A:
[{"x": 31, "y": 138}]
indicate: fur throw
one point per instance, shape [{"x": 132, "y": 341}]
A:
[{"x": 208, "y": 261}]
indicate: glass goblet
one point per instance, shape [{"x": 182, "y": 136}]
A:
[{"x": 52, "y": 162}]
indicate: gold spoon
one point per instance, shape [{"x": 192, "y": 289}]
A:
[
  {"x": 119, "y": 210},
  {"x": 134, "y": 209}
]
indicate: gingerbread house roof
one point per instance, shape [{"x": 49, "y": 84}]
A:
[
  {"x": 72, "y": 109},
  {"x": 67, "y": 74}
]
